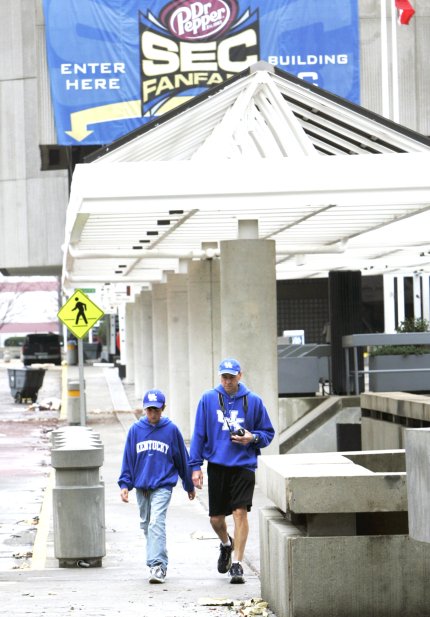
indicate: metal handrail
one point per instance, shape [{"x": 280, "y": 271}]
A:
[{"x": 368, "y": 340}]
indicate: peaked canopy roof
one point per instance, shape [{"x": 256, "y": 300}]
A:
[{"x": 336, "y": 187}]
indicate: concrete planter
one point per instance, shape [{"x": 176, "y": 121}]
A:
[{"x": 407, "y": 381}]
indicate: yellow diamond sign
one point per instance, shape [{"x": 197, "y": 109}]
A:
[{"x": 79, "y": 314}]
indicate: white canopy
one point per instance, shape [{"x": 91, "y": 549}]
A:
[{"x": 335, "y": 186}]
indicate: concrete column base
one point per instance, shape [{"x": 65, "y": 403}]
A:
[{"x": 335, "y": 576}]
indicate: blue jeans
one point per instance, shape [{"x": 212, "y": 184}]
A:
[{"x": 153, "y": 509}]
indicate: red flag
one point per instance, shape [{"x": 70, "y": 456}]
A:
[{"x": 406, "y": 11}]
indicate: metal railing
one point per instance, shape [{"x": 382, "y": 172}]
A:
[{"x": 355, "y": 341}]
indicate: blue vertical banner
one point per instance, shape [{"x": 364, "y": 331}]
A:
[{"x": 117, "y": 64}]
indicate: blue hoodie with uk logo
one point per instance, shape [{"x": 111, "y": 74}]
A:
[
  {"x": 213, "y": 425},
  {"x": 154, "y": 457}
]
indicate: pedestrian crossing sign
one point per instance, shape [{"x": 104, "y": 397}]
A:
[{"x": 79, "y": 314}]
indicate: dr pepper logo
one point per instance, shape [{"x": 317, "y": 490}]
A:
[{"x": 191, "y": 21}]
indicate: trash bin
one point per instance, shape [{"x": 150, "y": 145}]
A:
[
  {"x": 78, "y": 497},
  {"x": 25, "y": 383},
  {"x": 121, "y": 370}
]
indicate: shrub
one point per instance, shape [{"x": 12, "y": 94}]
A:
[{"x": 411, "y": 324}]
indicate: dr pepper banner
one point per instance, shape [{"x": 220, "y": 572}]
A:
[{"x": 117, "y": 64}]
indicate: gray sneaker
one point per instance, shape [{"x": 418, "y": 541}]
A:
[
  {"x": 236, "y": 573},
  {"x": 157, "y": 574}
]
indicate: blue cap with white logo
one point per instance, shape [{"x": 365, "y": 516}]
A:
[
  {"x": 229, "y": 366},
  {"x": 153, "y": 398}
]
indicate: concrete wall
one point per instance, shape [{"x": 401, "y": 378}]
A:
[
  {"x": 292, "y": 409},
  {"x": 335, "y": 542},
  {"x": 413, "y": 50},
  {"x": 310, "y": 424},
  {"x": 341, "y": 576},
  {"x": 417, "y": 449},
  {"x": 386, "y": 416},
  {"x": 32, "y": 202},
  {"x": 380, "y": 435}
]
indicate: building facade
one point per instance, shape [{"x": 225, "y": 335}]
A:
[{"x": 35, "y": 172}]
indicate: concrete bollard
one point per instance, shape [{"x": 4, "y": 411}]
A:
[
  {"x": 73, "y": 402},
  {"x": 72, "y": 353},
  {"x": 78, "y": 497}
]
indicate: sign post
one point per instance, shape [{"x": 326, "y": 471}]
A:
[
  {"x": 82, "y": 395},
  {"x": 79, "y": 314}
]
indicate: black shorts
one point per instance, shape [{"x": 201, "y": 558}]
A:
[{"x": 229, "y": 488}]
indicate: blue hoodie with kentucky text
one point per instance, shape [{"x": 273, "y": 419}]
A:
[
  {"x": 211, "y": 437},
  {"x": 154, "y": 456}
]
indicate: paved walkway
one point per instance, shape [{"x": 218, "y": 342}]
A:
[{"x": 120, "y": 586}]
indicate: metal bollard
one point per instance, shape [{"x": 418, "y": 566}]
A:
[
  {"x": 73, "y": 402},
  {"x": 78, "y": 497}
]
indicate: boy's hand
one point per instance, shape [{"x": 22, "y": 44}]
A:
[
  {"x": 191, "y": 495},
  {"x": 197, "y": 478},
  {"x": 124, "y": 494}
]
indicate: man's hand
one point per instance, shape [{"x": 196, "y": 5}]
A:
[
  {"x": 197, "y": 478},
  {"x": 244, "y": 440},
  {"x": 191, "y": 495},
  {"x": 124, "y": 495}
]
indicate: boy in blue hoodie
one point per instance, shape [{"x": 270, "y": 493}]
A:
[
  {"x": 154, "y": 456},
  {"x": 231, "y": 426}
]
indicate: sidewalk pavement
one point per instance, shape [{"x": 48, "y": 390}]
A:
[{"x": 120, "y": 586}]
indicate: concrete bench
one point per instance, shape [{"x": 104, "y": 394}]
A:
[{"x": 337, "y": 542}]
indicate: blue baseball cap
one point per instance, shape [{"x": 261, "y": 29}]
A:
[
  {"x": 229, "y": 366},
  {"x": 153, "y": 398}
]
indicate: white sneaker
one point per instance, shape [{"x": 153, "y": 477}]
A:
[{"x": 157, "y": 574}]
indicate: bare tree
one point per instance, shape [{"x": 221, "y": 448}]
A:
[{"x": 9, "y": 298}]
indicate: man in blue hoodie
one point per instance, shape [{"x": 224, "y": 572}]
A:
[
  {"x": 231, "y": 426},
  {"x": 154, "y": 456}
]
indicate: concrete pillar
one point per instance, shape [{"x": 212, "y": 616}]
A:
[
  {"x": 129, "y": 340},
  {"x": 146, "y": 352},
  {"x": 426, "y": 296},
  {"x": 159, "y": 340},
  {"x": 416, "y": 281},
  {"x": 389, "y": 304},
  {"x": 248, "y": 318},
  {"x": 400, "y": 299},
  {"x": 345, "y": 311},
  {"x": 112, "y": 338},
  {"x": 204, "y": 335},
  {"x": 121, "y": 327},
  {"x": 177, "y": 324},
  {"x": 137, "y": 346}
]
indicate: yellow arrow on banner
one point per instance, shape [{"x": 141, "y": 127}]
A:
[{"x": 79, "y": 120}]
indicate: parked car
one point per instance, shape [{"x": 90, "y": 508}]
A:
[{"x": 41, "y": 348}]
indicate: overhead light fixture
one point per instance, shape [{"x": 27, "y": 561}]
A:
[
  {"x": 137, "y": 247},
  {"x": 163, "y": 222},
  {"x": 152, "y": 233},
  {"x": 144, "y": 241},
  {"x": 176, "y": 212}
]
